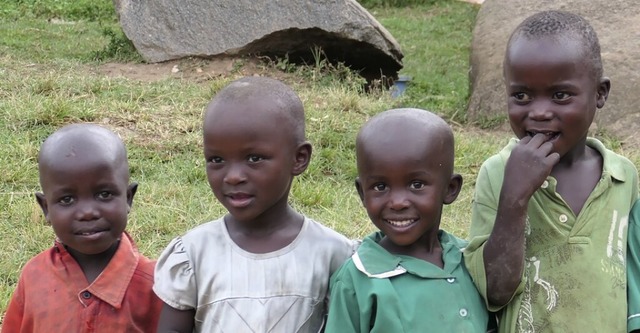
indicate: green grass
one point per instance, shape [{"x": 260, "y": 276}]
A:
[
  {"x": 49, "y": 77},
  {"x": 435, "y": 40}
]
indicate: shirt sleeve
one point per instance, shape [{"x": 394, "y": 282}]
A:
[
  {"x": 344, "y": 310},
  {"x": 13, "y": 317},
  {"x": 483, "y": 215},
  {"x": 174, "y": 279},
  {"x": 633, "y": 270}
]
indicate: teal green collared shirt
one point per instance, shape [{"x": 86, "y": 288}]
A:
[
  {"x": 375, "y": 291},
  {"x": 574, "y": 279}
]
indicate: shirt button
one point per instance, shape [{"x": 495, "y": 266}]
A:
[
  {"x": 86, "y": 295},
  {"x": 463, "y": 312},
  {"x": 545, "y": 184},
  {"x": 563, "y": 218},
  {"x": 451, "y": 280}
]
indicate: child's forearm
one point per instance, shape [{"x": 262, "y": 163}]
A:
[
  {"x": 529, "y": 164},
  {"x": 504, "y": 250}
]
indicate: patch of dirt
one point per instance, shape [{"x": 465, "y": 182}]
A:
[{"x": 192, "y": 69}]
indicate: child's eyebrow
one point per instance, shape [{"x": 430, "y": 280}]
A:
[
  {"x": 422, "y": 172},
  {"x": 371, "y": 178},
  {"x": 564, "y": 85},
  {"x": 517, "y": 86},
  {"x": 554, "y": 86}
]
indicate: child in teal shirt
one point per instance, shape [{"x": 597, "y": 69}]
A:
[{"x": 409, "y": 276}]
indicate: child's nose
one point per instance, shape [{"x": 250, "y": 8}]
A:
[
  {"x": 398, "y": 200},
  {"x": 235, "y": 175},
  {"x": 541, "y": 110},
  {"x": 86, "y": 211}
]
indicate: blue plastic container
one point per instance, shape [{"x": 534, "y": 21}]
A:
[{"x": 399, "y": 86}]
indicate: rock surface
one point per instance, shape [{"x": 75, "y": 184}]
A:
[
  {"x": 617, "y": 23},
  {"x": 163, "y": 30}
]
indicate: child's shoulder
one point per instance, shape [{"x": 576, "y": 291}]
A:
[
  {"x": 318, "y": 232},
  {"x": 326, "y": 244},
  {"x": 322, "y": 230},
  {"x": 618, "y": 168},
  {"x": 42, "y": 263},
  {"x": 613, "y": 162},
  {"x": 450, "y": 239},
  {"x": 145, "y": 268},
  {"x": 205, "y": 232},
  {"x": 494, "y": 165}
]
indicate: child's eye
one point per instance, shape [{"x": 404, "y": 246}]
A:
[
  {"x": 379, "y": 187},
  {"x": 66, "y": 201},
  {"x": 521, "y": 97},
  {"x": 255, "y": 158},
  {"x": 561, "y": 96},
  {"x": 215, "y": 159},
  {"x": 416, "y": 185},
  {"x": 104, "y": 195}
]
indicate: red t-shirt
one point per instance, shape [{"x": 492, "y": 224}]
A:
[{"x": 53, "y": 295}]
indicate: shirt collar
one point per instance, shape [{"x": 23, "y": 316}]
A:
[
  {"x": 374, "y": 261},
  {"x": 611, "y": 166},
  {"x": 111, "y": 285}
]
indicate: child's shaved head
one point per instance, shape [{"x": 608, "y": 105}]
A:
[
  {"x": 414, "y": 124},
  {"x": 266, "y": 93},
  {"x": 561, "y": 24},
  {"x": 83, "y": 139}
]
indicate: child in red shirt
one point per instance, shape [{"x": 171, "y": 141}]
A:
[{"x": 93, "y": 279}]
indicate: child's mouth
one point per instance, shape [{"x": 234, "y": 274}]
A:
[
  {"x": 91, "y": 234},
  {"x": 549, "y": 136},
  {"x": 401, "y": 223},
  {"x": 239, "y": 200}
]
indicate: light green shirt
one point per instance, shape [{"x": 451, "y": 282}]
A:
[
  {"x": 376, "y": 291},
  {"x": 633, "y": 269},
  {"x": 574, "y": 278}
]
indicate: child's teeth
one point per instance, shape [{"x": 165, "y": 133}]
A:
[{"x": 403, "y": 223}]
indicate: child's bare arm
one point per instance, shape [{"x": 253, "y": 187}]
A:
[
  {"x": 527, "y": 168},
  {"x": 175, "y": 321}
]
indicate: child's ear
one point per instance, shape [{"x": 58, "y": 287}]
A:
[
  {"x": 455, "y": 185},
  {"x": 303, "y": 156},
  {"x": 359, "y": 189},
  {"x": 131, "y": 192},
  {"x": 603, "y": 91},
  {"x": 42, "y": 202}
]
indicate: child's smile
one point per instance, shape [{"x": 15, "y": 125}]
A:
[{"x": 401, "y": 223}]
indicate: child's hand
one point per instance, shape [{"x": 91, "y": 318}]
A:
[{"x": 528, "y": 166}]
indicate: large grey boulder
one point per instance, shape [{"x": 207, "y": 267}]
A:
[
  {"x": 617, "y": 23},
  {"x": 163, "y": 30}
]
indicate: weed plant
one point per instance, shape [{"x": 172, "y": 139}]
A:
[
  {"x": 397, "y": 3},
  {"x": 68, "y": 10}
]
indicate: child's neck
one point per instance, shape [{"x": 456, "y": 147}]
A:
[
  {"x": 267, "y": 233},
  {"x": 577, "y": 176},
  {"x": 93, "y": 264},
  {"x": 427, "y": 248}
]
